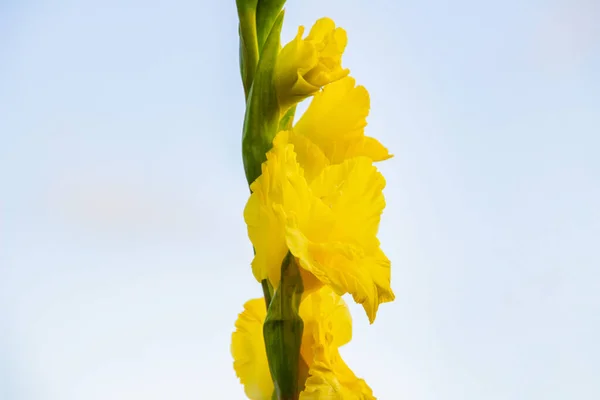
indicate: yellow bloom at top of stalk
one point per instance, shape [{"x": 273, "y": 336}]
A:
[
  {"x": 305, "y": 65},
  {"x": 329, "y": 224},
  {"x": 327, "y": 326}
]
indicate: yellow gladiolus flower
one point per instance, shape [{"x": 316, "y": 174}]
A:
[
  {"x": 306, "y": 65},
  {"x": 335, "y": 121},
  {"x": 332, "y": 129},
  {"x": 313, "y": 214},
  {"x": 329, "y": 224},
  {"x": 327, "y": 326}
]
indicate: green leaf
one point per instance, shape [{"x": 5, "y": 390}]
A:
[
  {"x": 282, "y": 332},
  {"x": 262, "y": 109},
  {"x": 248, "y": 41},
  {"x": 266, "y": 14}
]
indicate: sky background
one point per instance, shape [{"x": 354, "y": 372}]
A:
[{"x": 124, "y": 258}]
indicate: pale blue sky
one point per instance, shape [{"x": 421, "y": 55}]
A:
[{"x": 124, "y": 258}]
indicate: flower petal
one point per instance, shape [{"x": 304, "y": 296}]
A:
[
  {"x": 353, "y": 191},
  {"x": 310, "y": 156},
  {"x": 249, "y": 354},
  {"x": 337, "y": 265},
  {"x": 338, "y": 383},
  {"x": 335, "y": 121},
  {"x": 326, "y": 308},
  {"x": 349, "y": 258},
  {"x": 306, "y": 65},
  {"x": 328, "y": 325},
  {"x": 281, "y": 190}
]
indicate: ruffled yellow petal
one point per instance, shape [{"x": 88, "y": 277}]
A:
[
  {"x": 365, "y": 146},
  {"x": 335, "y": 121},
  {"x": 309, "y": 155},
  {"x": 330, "y": 226},
  {"x": 281, "y": 192},
  {"x": 337, "y": 383},
  {"x": 349, "y": 259},
  {"x": 306, "y": 65},
  {"x": 353, "y": 191},
  {"x": 281, "y": 186},
  {"x": 349, "y": 380},
  {"x": 249, "y": 354},
  {"x": 330, "y": 43},
  {"x": 267, "y": 236},
  {"x": 337, "y": 265},
  {"x": 329, "y": 327},
  {"x": 325, "y": 307}
]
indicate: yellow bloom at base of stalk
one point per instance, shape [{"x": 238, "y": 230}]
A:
[
  {"x": 330, "y": 225},
  {"x": 249, "y": 354},
  {"x": 327, "y": 326},
  {"x": 306, "y": 65}
]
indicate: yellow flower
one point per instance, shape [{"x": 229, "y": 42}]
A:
[
  {"x": 332, "y": 129},
  {"x": 329, "y": 224},
  {"x": 335, "y": 122},
  {"x": 327, "y": 326},
  {"x": 306, "y": 65}
]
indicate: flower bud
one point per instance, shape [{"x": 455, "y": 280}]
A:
[{"x": 306, "y": 65}]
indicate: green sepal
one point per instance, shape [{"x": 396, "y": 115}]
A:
[
  {"x": 266, "y": 14},
  {"x": 267, "y": 291},
  {"x": 282, "y": 332},
  {"x": 262, "y": 109},
  {"x": 246, "y": 5},
  {"x": 248, "y": 41},
  {"x": 286, "y": 122}
]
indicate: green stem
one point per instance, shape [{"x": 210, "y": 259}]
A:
[
  {"x": 282, "y": 332},
  {"x": 267, "y": 291}
]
